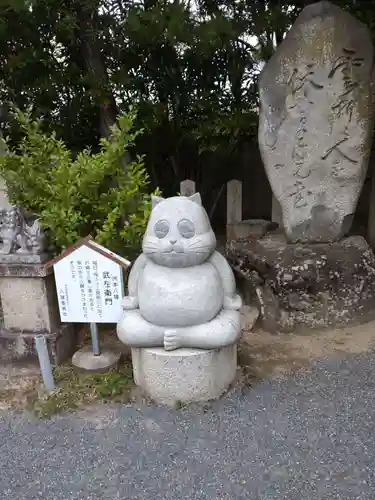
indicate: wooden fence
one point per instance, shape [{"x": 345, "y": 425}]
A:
[{"x": 234, "y": 200}]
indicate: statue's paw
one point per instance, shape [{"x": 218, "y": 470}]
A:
[
  {"x": 129, "y": 303},
  {"x": 233, "y": 303},
  {"x": 172, "y": 340}
]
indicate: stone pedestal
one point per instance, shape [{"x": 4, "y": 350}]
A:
[
  {"x": 184, "y": 375},
  {"x": 29, "y": 307},
  {"x": 306, "y": 285}
]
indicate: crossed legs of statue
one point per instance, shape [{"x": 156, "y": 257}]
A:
[{"x": 223, "y": 330}]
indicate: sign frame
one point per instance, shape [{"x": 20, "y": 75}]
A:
[{"x": 81, "y": 313}]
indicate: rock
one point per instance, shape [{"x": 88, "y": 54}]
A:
[
  {"x": 184, "y": 375},
  {"x": 306, "y": 285},
  {"x": 316, "y": 121},
  {"x": 270, "y": 311}
]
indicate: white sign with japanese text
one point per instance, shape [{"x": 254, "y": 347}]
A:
[{"x": 89, "y": 287}]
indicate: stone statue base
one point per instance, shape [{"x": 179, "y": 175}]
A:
[
  {"x": 300, "y": 286},
  {"x": 29, "y": 307},
  {"x": 184, "y": 375}
]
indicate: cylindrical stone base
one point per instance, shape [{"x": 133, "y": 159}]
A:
[{"x": 184, "y": 375}]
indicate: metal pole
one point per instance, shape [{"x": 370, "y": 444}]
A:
[
  {"x": 45, "y": 362},
  {"x": 95, "y": 339}
]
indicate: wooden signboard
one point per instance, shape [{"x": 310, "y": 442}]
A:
[{"x": 89, "y": 283}]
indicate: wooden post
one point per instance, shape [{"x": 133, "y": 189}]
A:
[
  {"x": 234, "y": 201},
  {"x": 234, "y": 205},
  {"x": 187, "y": 187}
]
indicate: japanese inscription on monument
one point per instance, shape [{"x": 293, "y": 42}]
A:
[
  {"x": 89, "y": 284},
  {"x": 316, "y": 121}
]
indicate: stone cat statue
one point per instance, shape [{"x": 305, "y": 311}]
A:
[{"x": 182, "y": 293}]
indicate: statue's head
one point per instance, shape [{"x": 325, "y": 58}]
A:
[
  {"x": 11, "y": 215},
  {"x": 179, "y": 232}
]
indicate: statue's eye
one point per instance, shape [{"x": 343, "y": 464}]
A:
[
  {"x": 186, "y": 228},
  {"x": 161, "y": 229}
]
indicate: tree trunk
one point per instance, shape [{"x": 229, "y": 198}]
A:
[{"x": 88, "y": 30}]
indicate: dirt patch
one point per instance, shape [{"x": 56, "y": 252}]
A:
[
  {"x": 78, "y": 389},
  {"x": 17, "y": 382},
  {"x": 263, "y": 354},
  {"x": 21, "y": 385}
]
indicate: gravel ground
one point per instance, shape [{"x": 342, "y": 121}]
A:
[{"x": 306, "y": 437}]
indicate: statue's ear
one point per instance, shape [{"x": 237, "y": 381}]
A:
[
  {"x": 196, "y": 198},
  {"x": 155, "y": 200}
]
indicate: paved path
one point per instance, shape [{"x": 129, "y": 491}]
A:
[{"x": 304, "y": 438}]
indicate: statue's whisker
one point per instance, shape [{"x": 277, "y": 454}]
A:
[{"x": 195, "y": 243}]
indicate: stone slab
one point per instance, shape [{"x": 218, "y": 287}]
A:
[
  {"x": 19, "y": 346},
  {"x": 26, "y": 270},
  {"x": 26, "y": 258},
  {"x": 29, "y": 303},
  {"x": 316, "y": 121},
  {"x": 84, "y": 359},
  {"x": 184, "y": 375}
]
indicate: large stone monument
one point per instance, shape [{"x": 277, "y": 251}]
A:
[
  {"x": 181, "y": 315},
  {"x": 315, "y": 135},
  {"x": 316, "y": 122}
]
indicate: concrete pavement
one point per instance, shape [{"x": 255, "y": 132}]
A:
[{"x": 305, "y": 437}]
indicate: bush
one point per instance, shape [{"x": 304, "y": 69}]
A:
[{"x": 95, "y": 194}]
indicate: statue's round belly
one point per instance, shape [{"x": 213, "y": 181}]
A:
[{"x": 179, "y": 297}]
